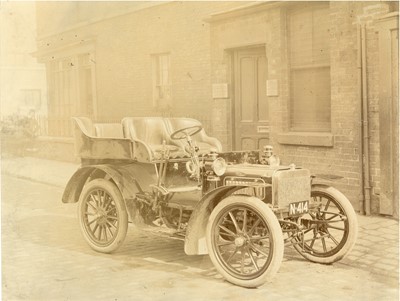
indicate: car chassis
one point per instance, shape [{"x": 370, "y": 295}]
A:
[{"x": 168, "y": 176}]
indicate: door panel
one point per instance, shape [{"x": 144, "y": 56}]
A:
[
  {"x": 251, "y": 129},
  {"x": 247, "y": 143},
  {"x": 262, "y": 95},
  {"x": 247, "y": 91},
  {"x": 389, "y": 118}
]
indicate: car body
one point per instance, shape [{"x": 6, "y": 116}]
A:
[{"x": 240, "y": 207}]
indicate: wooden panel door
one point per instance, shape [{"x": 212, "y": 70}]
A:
[
  {"x": 251, "y": 129},
  {"x": 389, "y": 117}
]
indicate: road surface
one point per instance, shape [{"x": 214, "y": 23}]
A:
[{"x": 44, "y": 257}]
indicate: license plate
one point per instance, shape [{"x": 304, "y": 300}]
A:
[{"x": 298, "y": 208}]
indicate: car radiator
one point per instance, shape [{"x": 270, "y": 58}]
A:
[{"x": 291, "y": 185}]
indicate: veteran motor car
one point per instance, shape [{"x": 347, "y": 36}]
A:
[{"x": 168, "y": 176}]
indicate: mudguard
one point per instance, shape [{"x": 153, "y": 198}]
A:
[
  {"x": 326, "y": 177},
  {"x": 195, "y": 239},
  {"x": 129, "y": 178}
]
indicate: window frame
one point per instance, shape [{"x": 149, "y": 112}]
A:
[
  {"x": 310, "y": 66},
  {"x": 64, "y": 87}
]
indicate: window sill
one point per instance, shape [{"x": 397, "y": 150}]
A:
[{"x": 306, "y": 138}]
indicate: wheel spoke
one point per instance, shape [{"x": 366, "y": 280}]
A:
[
  {"x": 95, "y": 228},
  {"x": 99, "y": 198},
  {"x": 112, "y": 218},
  {"x": 106, "y": 202},
  {"x": 324, "y": 244},
  {"x": 109, "y": 230},
  {"x": 336, "y": 228},
  {"x": 312, "y": 214},
  {"x": 105, "y": 232},
  {"x": 227, "y": 234},
  {"x": 254, "y": 226},
  {"x": 112, "y": 209},
  {"x": 234, "y": 222},
  {"x": 257, "y": 249},
  {"x": 100, "y": 232},
  {"x": 110, "y": 203},
  {"x": 244, "y": 229},
  {"x": 333, "y": 215},
  {"x": 226, "y": 243},
  {"x": 333, "y": 239},
  {"x": 253, "y": 261},
  {"x": 314, "y": 239},
  {"x": 233, "y": 254},
  {"x": 227, "y": 230},
  {"x": 309, "y": 229},
  {"x": 112, "y": 225},
  {"x": 324, "y": 212},
  {"x": 94, "y": 200},
  {"x": 92, "y": 221}
]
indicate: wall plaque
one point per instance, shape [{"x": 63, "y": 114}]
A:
[
  {"x": 220, "y": 90},
  {"x": 272, "y": 87},
  {"x": 262, "y": 129}
]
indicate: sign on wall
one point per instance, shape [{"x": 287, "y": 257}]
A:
[
  {"x": 272, "y": 87},
  {"x": 220, "y": 90}
]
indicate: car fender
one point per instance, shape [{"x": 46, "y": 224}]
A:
[
  {"x": 125, "y": 178},
  {"x": 195, "y": 239},
  {"x": 323, "y": 178},
  {"x": 75, "y": 184}
]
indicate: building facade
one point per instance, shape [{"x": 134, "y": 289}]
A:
[
  {"x": 317, "y": 80},
  {"x": 22, "y": 79}
]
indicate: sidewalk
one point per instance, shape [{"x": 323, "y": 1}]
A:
[
  {"x": 51, "y": 172},
  {"x": 376, "y": 251}
]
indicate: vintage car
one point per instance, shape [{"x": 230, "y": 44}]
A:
[{"x": 168, "y": 176}]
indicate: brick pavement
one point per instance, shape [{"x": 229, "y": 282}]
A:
[
  {"x": 377, "y": 247},
  {"x": 374, "y": 258}
]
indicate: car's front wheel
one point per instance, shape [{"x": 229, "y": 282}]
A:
[
  {"x": 102, "y": 216},
  {"x": 331, "y": 230},
  {"x": 244, "y": 241}
]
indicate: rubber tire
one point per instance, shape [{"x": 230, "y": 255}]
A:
[
  {"x": 114, "y": 192},
  {"x": 353, "y": 226},
  {"x": 276, "y": 235}
]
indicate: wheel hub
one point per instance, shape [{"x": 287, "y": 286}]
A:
[
  {"x": 240, "y": 241},
  {"x": 101, "y": 216}
]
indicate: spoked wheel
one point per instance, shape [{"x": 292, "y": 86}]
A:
[
  {"x": 244, "y": 241},
  {"x": 102, "y": 216},
  {"x": 331, "y": 227}
]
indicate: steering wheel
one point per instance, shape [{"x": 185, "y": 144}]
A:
[{"x": 185, "y": 132}]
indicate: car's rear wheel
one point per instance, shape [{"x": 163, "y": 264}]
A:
[
  {"x": 331, "y": 227},
  {"x": 102, "y": 216},
  {"x": 244, "y": 241}
]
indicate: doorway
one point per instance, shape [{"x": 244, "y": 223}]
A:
[
  {"x": 251, "y": 116},
  {"x": 389, "y": 116}
]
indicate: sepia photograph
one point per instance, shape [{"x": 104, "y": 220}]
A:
[{"x": 199, "y": 150}]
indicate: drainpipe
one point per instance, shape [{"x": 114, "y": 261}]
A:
[
  {"x": 365, "y": 130},
  {"x": 360, "y": 141}
]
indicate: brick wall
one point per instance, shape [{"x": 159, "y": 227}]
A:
[
  {"x": 123, "y": 63},
  {"x": 201, "y": 55},
  {"x": 269, "y": 27}
]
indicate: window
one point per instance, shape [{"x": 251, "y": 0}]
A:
[
  {"x": 161, "y": 80},
  {"x": 309, "y": 54},
  {"x": 70, "y": 91}
]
